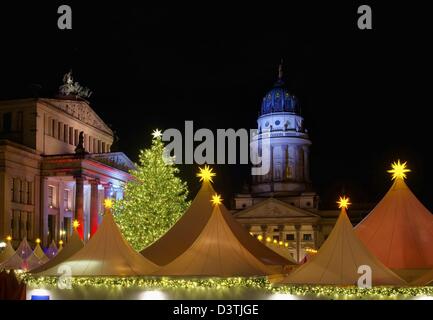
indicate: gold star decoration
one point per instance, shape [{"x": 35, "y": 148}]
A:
[
  {"x": 216, "y": 200},
  {"x": 8, "y": 238},
  {"x": 76, "y": 224},
  {"x": 108, "y": 203},
  {"x": 206, "y": 174},
  {"x": 399, "y": 170},
  {"x": 156, "y": 134},
  {"x": 343, "y": 202}
]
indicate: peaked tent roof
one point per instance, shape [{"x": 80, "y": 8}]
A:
[
  {"x": 338, "y": 260},
  {"x": 73, "y": 246},
  {"x": 7, "y": 252},
  {"x": 24, "y": 250},
  {"x": 52, "y": 250},
  {"x": 106, "y": 254},
  {"x": 216, "y": 252},
  {"x": 399, "y": 230},
  {"x": 188, "y": 228},
  {"x": 15, "y": 262},
  {"x": 39, "y": 253}
]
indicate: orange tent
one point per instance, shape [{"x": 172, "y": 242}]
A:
[
  {"x": 399, "y": 230},
  {"x": 339, "y": 259}
]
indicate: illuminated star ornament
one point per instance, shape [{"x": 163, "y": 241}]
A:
[
  {"x": 76, "y": 224},
  {"x": 399, "y": 170},
  {"x": 108, "y": 203},
  {"x": 38, "y": 240},
  {"x": 8, "y": 238},
  {"x": 343, "y": 203},
  {"x": 206, "y": 174},
  {"x": 157, "y": 134},
  {"x": 216, "y": 200}
]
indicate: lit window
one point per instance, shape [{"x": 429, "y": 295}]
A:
[
  {"x": 307, "y": 237},
  {"x": 290, "y": 237},
  {"x": 51, "y": 196}
]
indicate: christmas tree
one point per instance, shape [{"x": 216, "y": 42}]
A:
[{"x": 154, "y": 200}]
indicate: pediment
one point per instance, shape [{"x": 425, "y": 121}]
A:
[
  {"x": 80, "y": 110},
  {"x": 273, "y": 208}
]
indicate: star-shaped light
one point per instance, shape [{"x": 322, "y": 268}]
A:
[
  {"x": 399, "y": 170},
  {"x": 8, "y": 238},
  {"x": 108, "y": 203},
  {"x": 343, "y": 203},
  {"x": 76, "y": 224},
  {"x": 206, "y": 174},
  {"x": 216, "y": 200},
  {"x": 156, "y": 134}
]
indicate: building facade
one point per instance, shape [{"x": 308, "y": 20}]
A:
[
  {"x": 55, "y": 166},
  {"x": 280, "y": 207}
]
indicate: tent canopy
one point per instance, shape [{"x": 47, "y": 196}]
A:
[
  {"x": 399, "y": 230},
  {"x": 7, "y": 252},
  {"x": 73, "y": 246},
  {"x": 216, "y": 251},
  {"x": 338, "y": 260},
  {"x": 189, "y": 227},
  {"x": 107, "y": 253}
]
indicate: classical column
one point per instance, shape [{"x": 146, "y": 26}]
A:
[
  {"x": 281, "y": 233},
  {"x": 298, "y": 241},
  {"x": 306, "y": 164},
  {"x": 79, "y": 204},
  {"x": 94, "y": 206}
]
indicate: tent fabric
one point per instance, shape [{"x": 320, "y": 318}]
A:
[
  {"x": 52, "y": 250},
  {"x": 39, "y": 253},
  {"x": 74, "y": 245},
  {"x": 399, "y": 230},
  {"x": 425, "y": 280},
  {"x": 24, "y": 250},
  {"x": 106, "y": 254},
  {"x": 338, "y": 260},
  {"x": 188, "y": 228},
  {"x": 216, "y": 251},
  {"x": 15, "y": 262},
  {"x": 7, "y": 252}
]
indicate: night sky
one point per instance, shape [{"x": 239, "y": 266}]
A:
[{"x": 365, "y": 95}]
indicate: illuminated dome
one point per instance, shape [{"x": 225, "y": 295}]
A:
[{"x": 278, "y": 99}]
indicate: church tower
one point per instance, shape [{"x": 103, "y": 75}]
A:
[
  {"x": 280, "y": 121},
  {"x": 288, "y": 179}
]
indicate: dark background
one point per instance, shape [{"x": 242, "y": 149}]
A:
[{"x": 365, "y": 95}]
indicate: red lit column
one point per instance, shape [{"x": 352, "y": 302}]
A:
[
  {"x": 79, "y": 204},
  {"x": 94, "y": 206}
]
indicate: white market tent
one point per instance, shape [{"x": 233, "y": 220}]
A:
[
  {"x": 338, "y": 260},
  {"x": 185, "y": 233},
  {"x": 74, "y": 245},
  {"x": 7, "y": 252},
  {"x": 216, "y": 251},
  {"x": 107, "y": 253},
  {"x": 39, "y": 253}
]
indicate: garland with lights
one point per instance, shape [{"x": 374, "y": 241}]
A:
[
  {"x": 259, "y": 283},
  {"x": 154, "y": 200}
]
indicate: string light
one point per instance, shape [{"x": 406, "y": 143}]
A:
[{"x": 323, "y": 292}]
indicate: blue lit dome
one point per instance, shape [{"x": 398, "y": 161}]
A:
[{"x": 278, "y": 99}]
